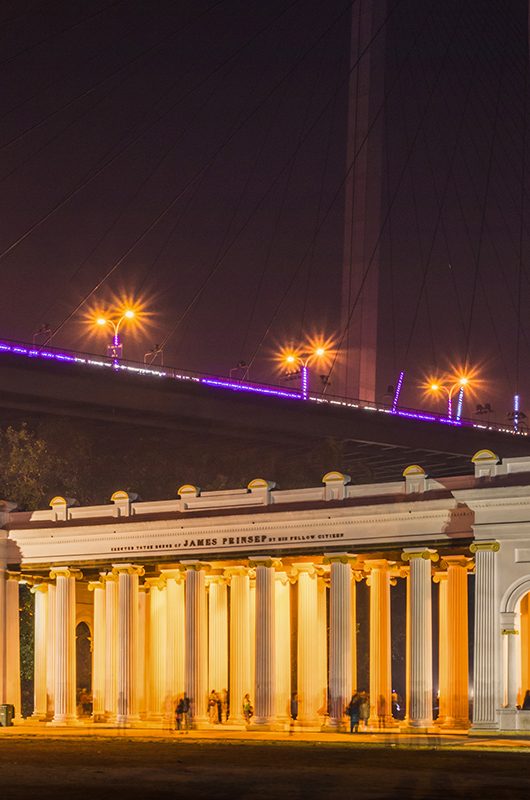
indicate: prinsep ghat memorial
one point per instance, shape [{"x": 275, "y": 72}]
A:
[{"x": 255, "y": 589}]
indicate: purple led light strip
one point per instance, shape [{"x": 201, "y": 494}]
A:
[
  {"x": 263, "y": 389},
  {"x": 399, "y": 384}
]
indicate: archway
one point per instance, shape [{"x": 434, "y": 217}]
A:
[{"x": 83, "y": 652}]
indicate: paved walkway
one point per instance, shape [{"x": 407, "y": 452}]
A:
[{"x": 446, "y": 741}]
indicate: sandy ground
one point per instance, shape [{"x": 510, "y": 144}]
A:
[{"x": 188, "y": 767}]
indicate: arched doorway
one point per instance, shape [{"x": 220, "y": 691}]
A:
[{"x": 83, "y": 652}]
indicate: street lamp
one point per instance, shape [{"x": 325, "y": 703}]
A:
[
  {"x": 456, "y": 383},
  {"x": 301, "y": 360},
  {"x": 115, "y": 348}
]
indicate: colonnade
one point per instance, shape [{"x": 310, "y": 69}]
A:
[{"x": 196, "y": 627}]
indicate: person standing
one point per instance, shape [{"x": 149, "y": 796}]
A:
[
  {"x": 352, "y": 710},
  {"x": 248, "y": 711},
  {"x": 364, "y": 710},
  {"x": 179, "y": 714}
]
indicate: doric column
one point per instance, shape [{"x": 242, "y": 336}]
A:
[
  {"x": 111, "y": 646},
  {"x": 217, "y": 633},
  {"x": 380, "y": 643},
  {"x": 157, "y": 660},
  {"x": 340, "y": 637},
  {"x": 143, "y": 641},
  {"x": 308, "y": 688},
  {"x": 265, "y": 678},
  {"x": 240, "y": 683},
  {"x": 196, "y": 640},
  {"x": 174, "y": 638},
  {"x": 282, "y": 619},
  {"x": 50, "y": 653},
  {"x": 40, "y": 708},
  {"x": 127, "y": 641},
  {"x": 485, "y": 689},
  {"x": 13, "y": 694},
  {"x": 420, "y": 646},
  {"x": 98, "y": 651},
  {"x": 65, "y": 656},
  {"x": 455, "y": 703}
]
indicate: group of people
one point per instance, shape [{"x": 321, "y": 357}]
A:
[
  {"x": 183, "y": 714},
  {"x": 358, "y": 710},
  {"x": 218, "y": 707}
]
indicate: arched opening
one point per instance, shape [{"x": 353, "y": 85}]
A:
[{"x": 83, "y": 652}]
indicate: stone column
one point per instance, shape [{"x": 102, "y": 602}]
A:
[
  {"x": 50, "y": 653},
  {"x": 282, "y": 619},
  {"x": 196, "y": 641},
  {"x": 485, "y": 679},
  {"x": 127, "y": 642},
  {"x": 98, "y": 651},
  {"x": 443, "y": 639},
  {"x": 174, "y": 639},
  {"x": 65, "y": 656},
  {"x": 13, "y": 694},
  {"x": 40, "y": 706},
  {"x": 265, "y": 683},
  {"x": 143, "y": 641},
  {"x": 455, "y": 705},
  {"x": 240, "y": 644},
  {"x": 340, "y": 637},
  {"x": 217, "y": 633},
  {"x": 252, "y": 639},
  {"x": 321, "y": 644},
  {"x": 3, "y": 633},
  {"x": 157, "y": 647},
  {"x": 308, "y": 689},
  {"x": 111, "y": 646},
  {"x": 380, "y": 643},
  {"x": 510, "y": 636},
  {"x": 420, "y": 648}
]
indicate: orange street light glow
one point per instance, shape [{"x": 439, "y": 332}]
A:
[
  {"x": 129, "y": 313},
  {"x": 101, "y": 321}
]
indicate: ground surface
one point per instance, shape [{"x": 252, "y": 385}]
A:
[{"x": 131, "y": 768}]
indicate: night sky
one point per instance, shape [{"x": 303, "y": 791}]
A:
[{"x": 200, "y": 148}]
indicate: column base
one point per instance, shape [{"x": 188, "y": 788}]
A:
[
  {"x": 267, "y": 725},
  {"x": 64, "y": 721},
  {"x": 452, "y": 723}
]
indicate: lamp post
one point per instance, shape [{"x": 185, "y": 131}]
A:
[
  {"x": 456, "y": 384},
  {"x": 302, "y": 360},
  {"x": 115, "y": 348}
]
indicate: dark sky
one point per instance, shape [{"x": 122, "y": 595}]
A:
[{"x": 202, "y": 144}]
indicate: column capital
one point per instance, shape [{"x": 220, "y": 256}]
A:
[
  {"x": 66, "y": 572},
  {"x": 476, "y": 547},
  {"x": 13, "y": 575},
  {"x": 377, "y": 563},
  {"x": 195, "y": 565},
  {"x": 128, "y": 569},
  {"x": 339, "y": 558},
  {"x": 93, "y": 585},
  {"x": 439, "y": 576},
  {"x": 174, "y": 574},
  {"x": 282, "y": 577},
  {"x": 457, "y": 561},
  {"x": 306, "y": 567},
  {"x": 237, "y": 569},
  {"x": 419, "y": 552},
  {"x": 156, "y": 582},
  {"x": 39, "y": 587},
  {"x": 264, "y": 561}
]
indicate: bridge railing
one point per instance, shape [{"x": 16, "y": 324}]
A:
[{"x": 92, "y": 360}]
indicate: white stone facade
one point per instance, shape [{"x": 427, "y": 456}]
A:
[{"x": 255, "y": 589}]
